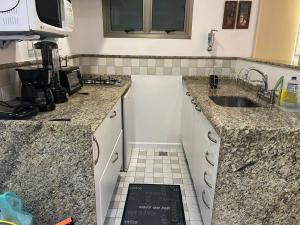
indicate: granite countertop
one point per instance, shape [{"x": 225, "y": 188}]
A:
[
  {"x": 224, "y": 118},
  {"x": 89, "y": 109},
  {"x": 50, "y": 164},
  {"x": 258, "y": 168}
]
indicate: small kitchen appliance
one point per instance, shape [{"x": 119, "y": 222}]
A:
[
  {"x": 36, "y": 87},
  {"x": 50, "y": 58},
  {"x": 36, "y": 17},
  {"x": 70, "y": 78},
  {"x": 41, "y": 86}
]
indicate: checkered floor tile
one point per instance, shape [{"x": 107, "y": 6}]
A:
[{"x": 155, "y": 166}]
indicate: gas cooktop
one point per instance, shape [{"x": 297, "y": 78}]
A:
[{"x": 102, "y": 81}]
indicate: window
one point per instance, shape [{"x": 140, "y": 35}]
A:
[{"x": 147, "y": 18}]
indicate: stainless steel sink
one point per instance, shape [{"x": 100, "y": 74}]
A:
[{"x": 234, "y": 101}]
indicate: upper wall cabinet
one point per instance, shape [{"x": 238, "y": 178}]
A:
[{"x": 148, "y": 18}]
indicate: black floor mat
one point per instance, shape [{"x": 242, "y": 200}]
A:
[{"x": 151, "y": 204}]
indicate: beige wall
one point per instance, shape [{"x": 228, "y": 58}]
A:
[
  {"x": 277, "y": 30},
  {"x": 208, "y": 14}
]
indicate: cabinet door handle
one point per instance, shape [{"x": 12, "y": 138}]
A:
[
  {"x": 115, "y": 160},
  {"x": 193, "y": 101},
  {"x": 210, "y": 138},
  {"x": 113, "y": 115},
  {"x": 207, "y": 159},
  {"x": 98, "y": 150},
  {"x": 205, "y": 180},
  {"x": 198, "y": 108},
  {"x": 203, "y": 199},
  {"x": 188, "y": 94}
]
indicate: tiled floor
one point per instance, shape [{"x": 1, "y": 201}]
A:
[{"x": 155, "y": 166}]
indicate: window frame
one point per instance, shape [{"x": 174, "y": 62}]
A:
[{"x": 147, "y": 24}]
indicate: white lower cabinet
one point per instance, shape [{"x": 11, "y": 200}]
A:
[
  {"x": 201, "y": 145},
  {"x": 108, "y": 158},
  {"x": 109, "y": 178}
]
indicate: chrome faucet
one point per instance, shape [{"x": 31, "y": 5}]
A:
[
  {"x": 263, "y": 75},
  {"x": 264, "y": 92}
]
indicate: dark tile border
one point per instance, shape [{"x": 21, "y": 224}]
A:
[{"x": 19, "y": 64}]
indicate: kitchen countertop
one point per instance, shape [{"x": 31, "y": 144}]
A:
[
  {"x": 224, "y": 118},
  {"x": 258, "y": 170},
  {"x": 50, "y": 164},
  {"x": 88, "y": 109}
]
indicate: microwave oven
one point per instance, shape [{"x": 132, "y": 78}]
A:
[{"x": 49, "y": 18}]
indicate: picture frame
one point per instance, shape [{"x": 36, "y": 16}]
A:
[
  {"x": 244, "y": 12},
  {"x": 229, "y": 17}
]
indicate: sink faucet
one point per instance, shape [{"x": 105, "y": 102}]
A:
[
  {"x": 264, "y": 92},
  {"x": 263, "y": 75}
]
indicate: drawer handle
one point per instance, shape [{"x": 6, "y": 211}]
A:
[
  {"x": 115, "y": 160},
  {"x": 207, "y": 159},
  {"x": 113, "y": 115},
  {"x": 205, "y": 180},
  {"x": 205, "y": 203},
  {"x": 210, "y": 138},
  {"x": 193, "y": 101},
  {"x": 98, "y": 150},
  {"x": 198, "y": 108},
  {"x": 188, "y": 94}
]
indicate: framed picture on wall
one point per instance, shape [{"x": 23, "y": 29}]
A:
[
  {"x": 230, "y": 14},
  {"x": 244, "y": 12}
]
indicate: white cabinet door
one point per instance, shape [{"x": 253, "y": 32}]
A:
[
  {"x": 187, "y": 126},
  {"x": 210, "y": 155},
  {"x": 128, "y": 128},
  {"x": 104, "y": 141},
  {"x": 201, "y": 145},
  {"x": 206, "y": 206},
  {"x": 105, "y": 138},
  {"x": 184, "y": 116},
  {"x": 109, "y": 179}
]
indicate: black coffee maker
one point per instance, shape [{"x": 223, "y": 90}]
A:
[
  {"x": 36, "y": 87},
  {"x": 41, "y": 86}
]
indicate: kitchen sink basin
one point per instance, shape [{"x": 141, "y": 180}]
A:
[{"x": 234, "y": 101}]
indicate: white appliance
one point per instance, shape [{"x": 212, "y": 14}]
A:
[
  {"x": 46, "y": 18},
  {"x": 128, "y": 128}
]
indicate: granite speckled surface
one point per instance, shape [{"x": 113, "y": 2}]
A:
[
  {"x": 88, "y": 109},
  {"x": 258, "y": 174},
  {"x": 50, "y": 164}
]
